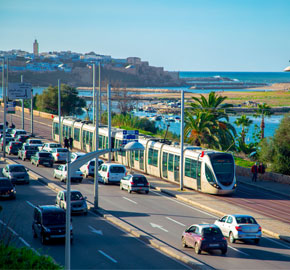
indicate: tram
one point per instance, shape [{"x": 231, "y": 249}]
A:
[{"x": 205, "y": 170}]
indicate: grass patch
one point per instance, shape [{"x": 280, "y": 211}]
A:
[{"x": 243, "y": 163}]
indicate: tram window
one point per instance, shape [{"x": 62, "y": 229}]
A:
[
  {"x": 164, "y": 164},
  {"x": 209, "y": 175},
  {"x": 91, "y": 139},
  {"x": 137, "y": 155},
  {"x": 187, "y": 167},
  {"x": 142, "y": 159},
  {"x": 77, "y": 134},
  {"x": 155, "y": 158},
  {"x": 170, "y": 162},
  {"x": 150, "y": 156},
  {"x": 101, "y": 141},
  {"x": 176, "y": 163},
  {"x": 55, "y": 129}
]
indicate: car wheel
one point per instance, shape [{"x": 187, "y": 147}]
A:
[
  {"x": 54, "y": 176},
  {"x": 37, "y": 164},
  {"x": 256, "y": 241},
  {"x": 85, "y": 175},
  {"x": 197, "y": 249},
  {"x": 51, "y": 165},
  {"x": 31, "y": 162},
  {"x": 80, "y": 180},
  {"x": 224, "y": 251},
  {"x": 86, "y": 213},
  {"x": 184, "y": 242},
  {"x": 23, "y": 158},
  {"x": 121, "y": 186},
  {"x": 147, "y": 191},
  {"x": 232, "y": 238},
  {"x": 129, "y": 190}
]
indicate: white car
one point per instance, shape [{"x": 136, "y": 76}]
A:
[
  {"x": 88, "y": 168},
  {"x": 49, "y": 146},
  {"x": 35, "y": 142},
  {"x": 112, "y": 172},
  {"x": 134, "y": 182},
  {"x": 240, "y": 227},
  {"x": 78, "y": 201},
  {"x": 75, "y": 155},
  {"x": 61, "y": 173},
  {"x": 60, "y": 154}
]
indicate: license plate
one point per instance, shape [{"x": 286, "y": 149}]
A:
[
  {"x": 4, "y": 196},
  {"x": 140, "y": 185},
  {"x": 214, "y": 245}
]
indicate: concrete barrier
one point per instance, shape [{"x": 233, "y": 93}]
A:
[{"x": 267, "y": 176}]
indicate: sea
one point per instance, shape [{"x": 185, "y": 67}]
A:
[{"x": 271, "y": 123}]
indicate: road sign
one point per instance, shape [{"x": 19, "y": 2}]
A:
[
  {"x": 131, "y": 132},
  {"x": 10, "y": 107},
  {"x": 19, "y": 91}
]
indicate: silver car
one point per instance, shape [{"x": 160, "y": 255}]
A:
[
  {"x": 240, "y": 227},
  {"x": 78, "y": 202},
  {"x": 60, "y": 154},
  {"x": 17, "y": 173}
]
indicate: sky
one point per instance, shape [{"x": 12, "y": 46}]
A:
[{"x": 179, "y": 35}]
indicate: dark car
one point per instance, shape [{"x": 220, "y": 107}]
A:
[
  {"x": 17, "y": 173},
  {"x": 8, "y": 139},
  {"x": 13, "y": 147},
  {"x": 49, "y": 223},
  {"x": 42, "y": 158},
  {"x": 7, "y": 190},
  {"x": 21, "y": 138},
  {"x": 26, "y": 151},
  {"x": 204, "y": 237}
]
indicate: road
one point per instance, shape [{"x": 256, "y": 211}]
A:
[
  {"x": 97, "y": 243},
  {"x": 164, "y": 218}
]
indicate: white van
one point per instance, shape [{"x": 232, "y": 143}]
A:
[{"x": 112, "y": 172}]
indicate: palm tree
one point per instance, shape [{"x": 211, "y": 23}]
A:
[
  {"x": 263, "y": 110},
  {"x": 243, "y": 121}
]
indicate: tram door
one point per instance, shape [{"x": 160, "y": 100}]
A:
[
  {"x": 176, "y": 169},
  {"x": 198, "y": 170}
]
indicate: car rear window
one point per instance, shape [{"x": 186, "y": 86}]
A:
[
  {"x": 35, "y": 142},
  {"x": 31, "y": 147},
  {"x": 139, "y": 180},
  {"x": 44, "y": 154},
  {"x": 211, "y": 231},
  {"x": 246, "y": 220},
  {"x": 17, "y": 169},
  {"x": 117, "y": 169},
  {"x": 54, "y": 145},
  {"x": 62, "y": 150}
]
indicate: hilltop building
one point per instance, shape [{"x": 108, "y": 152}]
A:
[{"x": 35, "y": 48}]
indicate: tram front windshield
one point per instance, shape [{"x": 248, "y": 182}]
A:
[{"x": 223, "y": 165}]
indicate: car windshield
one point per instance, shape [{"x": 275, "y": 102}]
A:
[
  {"x": 117, "y": 169},
  {"x": 5, "y": 183},
  {"x": 30, "y": 147},
  {"x": 246, "y": 220},
  {"x": 36, "y": 142},
  {"x": 17, "y": 169},
  {"x": 62, "y": 150},
  {"x": 55, "y": 145},
  {"x": 211, "y": 231},
  {"x": 44, "y": 154},
  {"x": 53, "y": 218},
  {"x": 76, "y": 196}
]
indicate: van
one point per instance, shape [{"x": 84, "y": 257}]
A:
[{"x": 112, "y": 172}]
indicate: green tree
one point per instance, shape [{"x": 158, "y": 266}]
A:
[
  {"x": 263, "y": 110},
  {"x": 245, "y": 122},
  {"x": 71, "y": 104}
]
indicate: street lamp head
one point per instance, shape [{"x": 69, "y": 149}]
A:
[{"x": 133, "y": 146}]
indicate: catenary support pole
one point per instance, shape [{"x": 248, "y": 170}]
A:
[
  {"x": 96, "y": 184},
  {"x": 181, "y": 139},
  {"x": 59, "y": 112},
  {"x": 22, "y": 105},
  {"x": 68, "y": 216},
  {"x": 94, "y": 93},
  {"x": 31, "y": 125},
  {"x": 109, "y": 122},
  {"x": 4, "y": 101},
  {"x": 100, "y": 92}
]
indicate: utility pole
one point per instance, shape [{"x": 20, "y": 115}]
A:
[
  {"x": 22, "y": 105},
  {"x": 59, "y": 112},
  {"x": 96, "y": 184},
  {"x": 181, "y": 139},
  {"x": 100, "y": 92},
  {"x": 94, "y": 93},
  {"x": 31, "y": 124},
  {"x": 109, "y": 122},
  {"x": 4, "y": 101}
]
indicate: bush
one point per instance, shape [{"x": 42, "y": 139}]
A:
[{"x": 24, "y": 258}]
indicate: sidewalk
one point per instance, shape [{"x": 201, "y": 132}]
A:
[{"x": 214, "y": 205}]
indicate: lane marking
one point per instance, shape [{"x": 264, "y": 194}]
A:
[
  {"x": 176, "y": 221},
  {"x": 24, "y": 242},
  {"x": 158, "y": 226},
  {"x": 106, "y": 255},
  {"x": 238, "y": 250},
  {"x": 11, "y": 230},
  {"x": 129, "y": 200},
  {"x": 32, "y": 205},
  {"x": 95, "y": 231},
  {"x": 277, "y": 242}
]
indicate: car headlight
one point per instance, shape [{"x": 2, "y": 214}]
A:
[{"x": 46, "y": 229}]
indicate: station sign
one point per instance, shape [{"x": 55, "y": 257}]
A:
[
  {"x": 131, "y": 132},
  {"x": 130, "y": 136},
  {"x": 19, "y": 91},
  {"x": 10, "y": 107}
]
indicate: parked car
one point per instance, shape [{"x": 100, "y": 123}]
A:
[
  {"x": 42, "y": 158},
  {"x": 16, "y": 132},
  {"x": 61, "y": 173},
  {"x": 49, "y": 146},
  {"x": 7, "y": 135},
  {"x": 88, "y": 169},
  {"x": 16, "y": 173},
  {"x": 8, "y": 139},
  {"x": 26, "y": 151},
  {"x": 49, "y": 223},
  {"x": 21, "y": 138},
  {"x": 204, "y": 237},
  {"x": 60, "y": 154},
  {"x": 78, "y": 201},
  {"x": 7, "y": 189},
  {"x": 12, "y": 147},
  {"x": 134, "y": 182},
  {"x": 75, "y": 155},
  {"x": 240, "y": 227},
  {"x": 112, "y": 172},
  {"x": 35, "y": 142}
]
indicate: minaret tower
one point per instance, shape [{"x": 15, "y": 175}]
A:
[{"x": 35, "y": 48}]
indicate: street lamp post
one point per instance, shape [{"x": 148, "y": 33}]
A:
[
  {"x": 59, "y": 112},
  {"x": 109, "y": 121},
  {"x": 4, "y": 101},
  {"x": 31, "y": 125},
  {"x": 22, "y": 105},
  {"x": 181, "y": 139},
  {"x": 96, "y": 184}
]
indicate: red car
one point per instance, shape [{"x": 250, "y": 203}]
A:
[{"x": 204, "y": 237}]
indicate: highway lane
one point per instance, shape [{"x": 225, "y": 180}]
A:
[
  {"x": 165, "y": 218},
  {"x": 97, "y": 243}
]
